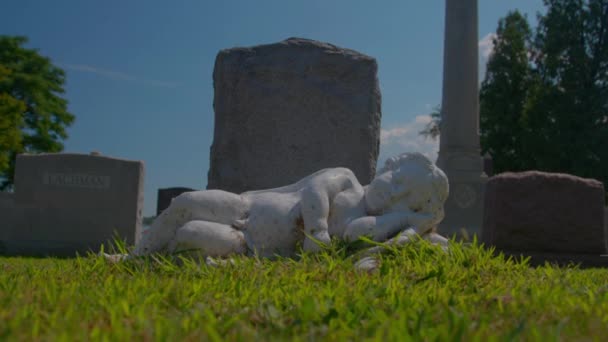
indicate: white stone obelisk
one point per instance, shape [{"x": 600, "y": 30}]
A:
[{"x": 459, "y": 149}]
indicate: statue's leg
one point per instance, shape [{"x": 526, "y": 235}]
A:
[
  {"x": 436, "y": 239},
  {"x": 208, "y": 239},
  {"x": 315, "y": 211},
  {"x": 210, "y": 205},
  {"x": 207, "y": 205}
]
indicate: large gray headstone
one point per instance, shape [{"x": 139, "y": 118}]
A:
[
  {"x": 74, "y": 203},
  {"x": 166, "y": 195},
  {"x": 285, "y": 110}
]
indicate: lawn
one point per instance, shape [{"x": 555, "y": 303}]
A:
[{"x": 420, "y": 292}]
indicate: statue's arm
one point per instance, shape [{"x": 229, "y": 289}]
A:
[
  {"x": 302, "y": 183},
  {"x": 316, "y": 200},
  {"x": 381, "y": 228},
  {"x": 315, "y": 211}
]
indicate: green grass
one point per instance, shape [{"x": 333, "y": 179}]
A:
[{"x": 419, "y": 293}]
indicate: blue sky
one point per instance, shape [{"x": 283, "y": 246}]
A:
[{"x": 139, "y": 73}]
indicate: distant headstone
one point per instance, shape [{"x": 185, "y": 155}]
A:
[
  {"x": 8, "y": 216},
  {"x": 286, "y": 110},
  {"x": 606, "y": 226},
  {"x": 74, "y": 203},
  {"x": 165, "y": 196},
  {"x": 545, "y": 213}
]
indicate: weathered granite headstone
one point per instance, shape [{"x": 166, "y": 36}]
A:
[
  {"x": 606, "y": 225},
  {"x": 459, "y": 150},
  {"x": 8, "y": 216},
  {"x": 286, "y": 110},
  {"x": 539, "y": 212},
  {"x": 7, "y": 212},
  {"x": 166, "y": 195},
  {"x": 74, "y": 203}
]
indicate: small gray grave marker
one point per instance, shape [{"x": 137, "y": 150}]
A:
[{"x": 74, "y": 203}]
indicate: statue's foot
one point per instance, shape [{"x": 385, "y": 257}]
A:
[
  {"x": 437, "y": 239},
  {"x": 115, "y": 258},
  {"x": 367, "y": 264},
  {"x": 215, "y": 262},
  {"x": 316, "y": 242}
]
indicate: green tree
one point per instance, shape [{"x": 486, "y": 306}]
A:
[
  {"x": 569, "y": 107},
  {"x": 544, "y": 101},
  {"x": 432, "y": 128},
  {"x": 33, "y": 115},
  {"x": 10, "y": 123},
  {"x": 503, "y": 94}
]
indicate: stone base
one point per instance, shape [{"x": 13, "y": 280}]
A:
[
  {"x": 464, "y": 209},
  {"x": 464, "y": 206},
  {"x": 559, "y": 259}
]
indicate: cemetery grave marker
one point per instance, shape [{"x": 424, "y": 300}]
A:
[
  {"x": 548, "y": 216},
  {"x": 74, "y": 202},
  {"x": 286, "y": 110}
]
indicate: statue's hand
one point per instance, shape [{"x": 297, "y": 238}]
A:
[
  {"x": 422, "y": 222},
  {"x": 316, "y": 242},
  {"x": 239, "y": 224}
]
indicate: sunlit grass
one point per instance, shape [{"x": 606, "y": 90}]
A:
[{"x": 419, "y": 292}]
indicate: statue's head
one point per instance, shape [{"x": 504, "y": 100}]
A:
[{"x": 408, "y": 182}]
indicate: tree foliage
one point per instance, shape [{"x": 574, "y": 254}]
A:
[
  {"x": 432, "y": 130},
  {"x": 503, "y": 93},
  {"x": 33, "y": 115},
  {"x": 544, "y": 101},
  {"x": 10, "y": 121}
]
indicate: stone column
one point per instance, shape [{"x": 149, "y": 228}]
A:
[{"x": 459, "y": 149}]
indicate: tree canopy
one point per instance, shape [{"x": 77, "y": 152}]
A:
[
  {"x": 33, "y": 115},
  {"x": 544, "y": 100},
  {"x": 431, "y": 129},
  {"x": 504, "y": 94}
]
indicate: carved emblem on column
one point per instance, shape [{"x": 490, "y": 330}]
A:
[{"x": 464, "y": 196}]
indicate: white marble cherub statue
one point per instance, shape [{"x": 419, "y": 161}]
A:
[{"x": 406, "y": 195}]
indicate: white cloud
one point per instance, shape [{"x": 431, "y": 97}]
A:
[
  {"x": 486, "y": 45},
  {"x": 406, "y": 138},
  {"x": 117, "y": 75},
  {"x": 422, "y": 119},
  {"x": 486, "y": 48}
]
